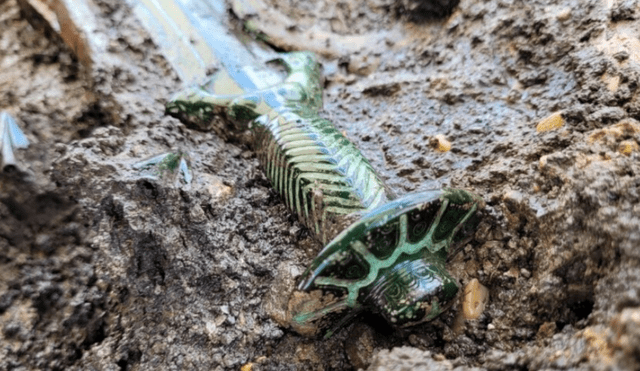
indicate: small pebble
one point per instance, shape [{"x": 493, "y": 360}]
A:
[
  {"x": 613, "y": 82},
  {"x": 440, "y": 143},
  {"x": 627, "y": 147},
  {"x": 563, "y": 14},
  {"x": 476, "y": 297},
  {"x": 552, "y": 122}
]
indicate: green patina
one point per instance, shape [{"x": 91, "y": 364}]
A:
[
  {"x": 166, "y": 166},
  {"x": 392, "y": 259},
  {"x": 170, "y": 163}
]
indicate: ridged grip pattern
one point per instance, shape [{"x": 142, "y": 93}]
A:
[
  {"x": 381, "y": 253},
  {"x": 318, "y": 172}
]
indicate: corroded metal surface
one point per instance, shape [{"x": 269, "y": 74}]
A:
[{"x": 382, "y": 254}]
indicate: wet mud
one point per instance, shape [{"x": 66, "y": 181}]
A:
[{"x": 104, "y": 268}]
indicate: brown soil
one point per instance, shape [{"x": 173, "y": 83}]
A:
[{"x": 101, "y": 268}]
